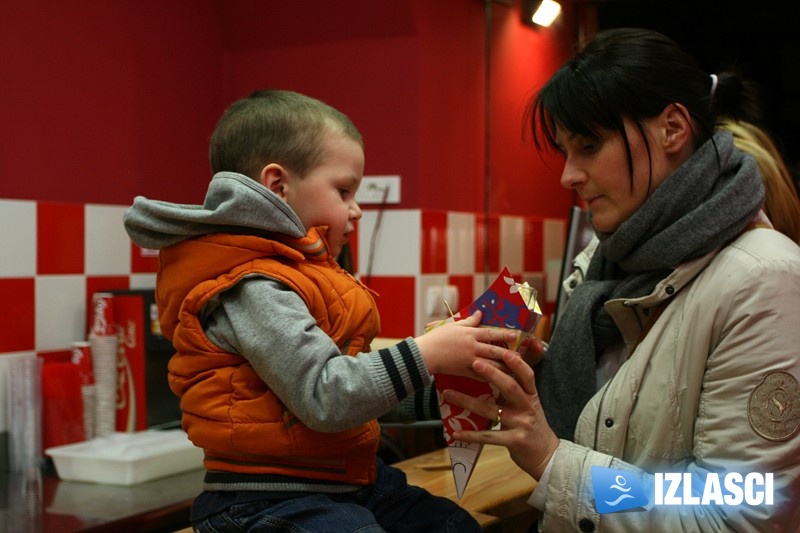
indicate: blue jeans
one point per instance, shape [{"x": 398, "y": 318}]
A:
[{"x": 391, "y": 504}]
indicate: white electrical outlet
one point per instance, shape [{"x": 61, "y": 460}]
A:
[
  {"x": 374, "y": 189},
  {"x": 441, "y": 301},
  {"x": 434, "y": 302}
]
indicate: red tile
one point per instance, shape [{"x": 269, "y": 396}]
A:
[
  {"x": 533, "y": 259},
  {"x": 55, "y": 356},
  {"x": 59, "y": 238},
  {"x": 487, "y": 244},
  {"x": 434, "y": 242},
  {"x": 143, "y": 261},
  {"x": 102, "y": 284},
  {"x": 396, "y": 304},
  {"x": 17, "y": 315}
]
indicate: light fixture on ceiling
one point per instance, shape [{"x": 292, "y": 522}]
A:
[{"x": 540, "y": 13}]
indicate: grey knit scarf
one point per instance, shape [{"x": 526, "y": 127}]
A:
[{"x": 708, "y": 201}]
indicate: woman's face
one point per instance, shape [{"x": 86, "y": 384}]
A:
[{"x": 597, "y": 169}]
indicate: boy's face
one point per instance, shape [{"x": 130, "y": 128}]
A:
[{"x": 327, "y": 195}]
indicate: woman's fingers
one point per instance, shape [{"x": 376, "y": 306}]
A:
[
  {"x": 504, "y": 378},
  {"x": 532, "y": 350},
  {"x": 524, "y": 429},
  {"x": 505, "y": 381},
  {"x": 522, "y": 372},
  {"x": 478, "y": 406}
]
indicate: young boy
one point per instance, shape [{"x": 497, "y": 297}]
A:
[{"x": 277, "y": 381}]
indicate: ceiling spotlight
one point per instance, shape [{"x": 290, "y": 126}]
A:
[{"x": 540, "y": 13}]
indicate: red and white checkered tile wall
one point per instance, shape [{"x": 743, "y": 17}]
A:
[
  {"x": 416, "y": 253},
  {"x": 56, "y": 255}
]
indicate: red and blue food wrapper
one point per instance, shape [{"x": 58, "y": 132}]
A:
[{"x": 505, "y": 304}]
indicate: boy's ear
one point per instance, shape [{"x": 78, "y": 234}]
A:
[
  {"x": 273, "y": 177},
  {"x": 677, "y": 128}
]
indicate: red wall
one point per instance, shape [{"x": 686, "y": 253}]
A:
[
  {"x": 525, "y": 182},
  {"x": 102, "y": 101},
  {"x": 453, "y": 101}
]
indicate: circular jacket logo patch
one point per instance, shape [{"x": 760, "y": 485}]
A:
[{"x": 774, "y": 406}]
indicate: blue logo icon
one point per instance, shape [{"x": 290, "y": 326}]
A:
[{"x": 616, "y": 490}]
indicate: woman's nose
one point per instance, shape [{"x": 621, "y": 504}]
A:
[{"x": 572, "y": 176}]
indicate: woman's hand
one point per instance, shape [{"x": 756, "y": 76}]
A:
[
  {"x": 452, "y": 348},
  {"x": 523, "y": 427},
  {"x": 532, "y": 350}
]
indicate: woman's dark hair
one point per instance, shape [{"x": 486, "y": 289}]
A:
[{"x": 634, "y": 73}]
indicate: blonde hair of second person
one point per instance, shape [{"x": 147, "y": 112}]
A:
[{"x": 781, "y": 202}]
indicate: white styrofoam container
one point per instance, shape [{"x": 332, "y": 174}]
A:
[{"x": 127, "y": 458}]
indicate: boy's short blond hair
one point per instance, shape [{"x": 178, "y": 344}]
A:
[{"x": 275, "y": 126}]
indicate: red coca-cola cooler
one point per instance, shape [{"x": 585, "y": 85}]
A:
[{"x": 144, "y": 399}]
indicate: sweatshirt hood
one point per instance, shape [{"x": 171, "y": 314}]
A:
[{"x": 234, "y": 204}]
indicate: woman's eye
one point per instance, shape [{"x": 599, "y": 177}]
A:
[{"x": 589, "y": 147}]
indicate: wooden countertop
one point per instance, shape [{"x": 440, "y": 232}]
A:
[{"x": 498, "y": 487}]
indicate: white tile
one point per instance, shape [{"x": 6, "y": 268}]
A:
[
  {"x": 554, "y": 234},
  {"x": 396, "y": 244},
  {"x": 60, "y": 311},
  {"x": 429, "y": 305},
  {"x": 460, "y": 243},
  {"x": 512, "y": 243},
  {"x": 17, "y": 238},
  {"x": 143, "y": 281},
  {"x": 554, "y": 242},
  {"x": 552, "y": 279},
  {"x": 108, "y": 247},
  {"x": 536, "y": 280},
  {"x": 481, "y": 282}
]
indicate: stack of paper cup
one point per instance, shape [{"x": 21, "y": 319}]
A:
[
  {"x": 25, "y": 432},
  {"x": 82, "y": 356},
  {"x": 103, "y": 343}
]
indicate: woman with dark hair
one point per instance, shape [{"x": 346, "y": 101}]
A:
[{"x": 677, "y": 356}]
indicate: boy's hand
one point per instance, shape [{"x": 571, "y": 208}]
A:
[{"x": 451, "y": 348}]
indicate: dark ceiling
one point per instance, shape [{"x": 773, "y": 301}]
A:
[
  {"x": 764, "y": 45},
  {"x": 762, "y": 40}
]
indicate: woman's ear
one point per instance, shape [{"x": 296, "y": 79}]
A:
[
  {"x": 677, "y": 128},
  {"x": 274, "y": 177}
]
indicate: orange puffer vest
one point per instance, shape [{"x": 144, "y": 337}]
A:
[{"x": 227, "y": 409}]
